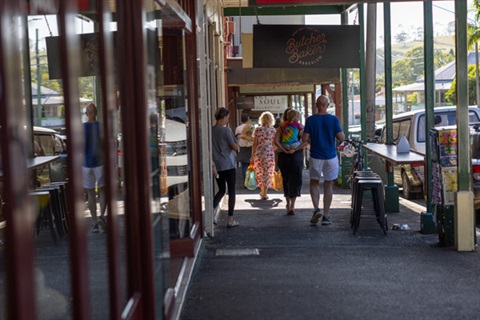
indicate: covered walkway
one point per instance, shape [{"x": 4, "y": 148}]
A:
[{"x": 325, "y": 272}]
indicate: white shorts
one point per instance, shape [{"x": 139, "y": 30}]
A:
[
  {"x": 92, "y": 177},
  {"x": 327, "y": 168}
]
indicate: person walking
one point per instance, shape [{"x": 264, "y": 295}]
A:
[
  {"x": 93, "y": 173},
  {"x": 321, "y": 130},
  {"x": 244, "y": 135},
  {"x": 290, "y": 156},
  {"x": 224, "y": 146},
  {"x": 263, "y": 155}
]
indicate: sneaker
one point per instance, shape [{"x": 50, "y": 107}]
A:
[
  {"x": 326, "y": 220},
  {"x": 317, "y": 214},
  {"x": 102, "y": 223},
  {"x": 95, "y": 228}
]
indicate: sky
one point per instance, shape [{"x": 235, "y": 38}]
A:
[
  {"x": 47, "y": 26},
  {"x": 406, "y": 16}
]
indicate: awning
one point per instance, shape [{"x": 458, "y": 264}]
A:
[
  {"x": 420, "y": 86},
  {"x": 56, "y": 101}
]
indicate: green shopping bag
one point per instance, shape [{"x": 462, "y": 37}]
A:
[{"x": 250, "y": 178}]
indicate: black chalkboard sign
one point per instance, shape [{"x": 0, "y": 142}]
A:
[{"x": 306, "y": 46}]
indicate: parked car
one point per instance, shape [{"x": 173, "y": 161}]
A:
[
  {"x": 176, "y": 152},
  {"x": 412, "y": 126},
  {"x": 174, "y": 178},
  {"x": 47, "y": 142},
  {"x": 355, "y": 131}
]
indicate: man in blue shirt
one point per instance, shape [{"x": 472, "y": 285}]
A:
[
  {"x": 321, "y": 130},
  {"x": 93, "y": 168}
]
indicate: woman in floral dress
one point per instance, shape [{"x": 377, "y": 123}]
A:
[{"x": 263, "y": 154}]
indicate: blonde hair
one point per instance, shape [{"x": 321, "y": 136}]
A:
[
  {"x": 292, "y": 113},
  {"x": 266, "y": 119}
]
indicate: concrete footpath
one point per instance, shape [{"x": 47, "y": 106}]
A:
[{"x": 275, "y": 266}]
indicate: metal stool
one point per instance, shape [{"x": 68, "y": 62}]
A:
[
  {"x": 58, "y": 209},
  {"x": 45, "y": 218},
  {"x": 357, "y": 176},
  {"x": 376, "y": 187},
  {"x": 63, "y": 202}
]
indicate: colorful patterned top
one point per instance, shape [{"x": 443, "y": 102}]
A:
[{"x": 290, "y": 134}]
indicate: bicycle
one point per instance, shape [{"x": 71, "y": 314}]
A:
[
  {"x": 354, "y": 150},
  {"x": 367, "y": 180}
]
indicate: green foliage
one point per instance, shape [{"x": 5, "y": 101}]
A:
[
  {"x": 87, "y": 87},
  {"x": 451, "y": 94},
  {"x": 86, "y": 84},
  {"x": 412, "y": 98},
  {"x": 407, "y": 69},
  {"x": 402, "y": 72}
]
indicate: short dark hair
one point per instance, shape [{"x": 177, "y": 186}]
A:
[
  {"x": 285, "y": 113},
  {"x": 221, "y": 113},
  {"x": 244, "y": 117}
]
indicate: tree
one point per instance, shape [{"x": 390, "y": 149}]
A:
[
  {"x": 451, "y": 94},
  {"x": 419, "y": 34},
  {"x": 411, "y": 66},
  {"x": 402, "y": 73},
  {"x": 402, "y": 37},
  {"x": 406, "y": 70},
  {"x": 451, "y": 27}
]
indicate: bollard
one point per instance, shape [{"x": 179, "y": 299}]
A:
[{"x": 427, "y": 226}]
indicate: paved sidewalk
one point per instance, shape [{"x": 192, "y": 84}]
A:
[{"x": 276, "y": 266}]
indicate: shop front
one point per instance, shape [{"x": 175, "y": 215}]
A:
[{"x": 140, "y": 63}]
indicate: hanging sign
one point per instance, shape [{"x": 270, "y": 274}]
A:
[
  {"x": 274, "y": 104},
  {"x": 245, "y": 102},
  {"x": 306, "y": 46}
]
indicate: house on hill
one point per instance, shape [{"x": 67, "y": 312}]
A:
[
  {"x": 443, "y": 81},
  {"x": 50, "y": 104}
]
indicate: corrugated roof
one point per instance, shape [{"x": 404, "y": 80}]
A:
[
  {"x": 448, "y": 71},
  {"x": 420, "y": 86},
  {"x": 44, "y": 91}
]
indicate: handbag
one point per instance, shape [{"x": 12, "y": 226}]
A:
[
  {"x": 250, "y": 178},
  {"x": 277, "y": 181}
]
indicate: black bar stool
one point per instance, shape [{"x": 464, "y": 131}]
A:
[
  {"x": 63, "y": 202},
  {"x": 57, "y": 208},
  {"x": 45, "y": 218},
  {"x": 357, "y": 176},
  {"x": 376, "y": 188}
]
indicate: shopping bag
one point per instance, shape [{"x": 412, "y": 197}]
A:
[
  {"x": 277, "y": 181},
  {"x": 250, "y": 178}
]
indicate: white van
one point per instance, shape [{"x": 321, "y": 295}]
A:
[
  {"x": 412, "y": 126},
  {"x": 47, "y": 142}
]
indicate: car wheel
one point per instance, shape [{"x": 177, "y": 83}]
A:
[{"x": 406, "y": 187}]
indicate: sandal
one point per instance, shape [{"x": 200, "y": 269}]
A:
[
  {"x": 291, "y": 213},
  {"x": 233, "y": 225}
]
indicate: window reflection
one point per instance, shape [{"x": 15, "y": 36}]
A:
[
  {"x": 174, "y": 148},
  {"x": 176, "y": 160}
]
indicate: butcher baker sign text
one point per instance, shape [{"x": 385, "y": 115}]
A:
[{"x": 300, "y": 46}]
